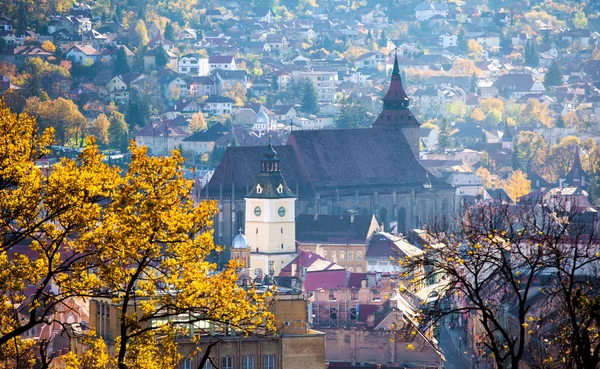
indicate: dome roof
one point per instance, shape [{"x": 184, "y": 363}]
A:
[
  {"x": 262, "y": 117},
  {"x": 239, "y": 242}
]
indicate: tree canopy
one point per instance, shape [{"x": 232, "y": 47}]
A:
[{"x": 135, "y": 238}]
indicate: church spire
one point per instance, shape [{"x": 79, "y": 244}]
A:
[
  {"x": 395, "y": 113},
  {"x": 576, "y": 177}
]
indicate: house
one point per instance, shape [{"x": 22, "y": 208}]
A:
[
  {"x": 194, "y": 65},
  {"x": 370, "y": 59},
  {"x": 72, "y": 24},
  {"x": 424, "y": 11},
  {"x": 488, "y": 40},
  {"x": 6, "y": 24},
  {"x": 375, "y": 17},
  {"x": 383, "y": 251},
  {"x": 174, "y": 86},
  {"x": 111, "y": 54},
  {"x": 429, "y": 137},
  {"x": 277, "y": 42},
  {"x": 284, "y": 113},
  {"x": 203, "y": 86},
  {"x": 218, "y": 105},
  {"x": 83, "y": 55},
  {"x": 581, "y": 36},
  {"x": 117, "y": 90},
  {"x": 224, "y": 62},
  {"x": 18, "y": 54},
  {"x": 161, "y": 137},
  {"x": 263, "y": 14},
  {"x": 447, "y": 40},
  {"x": 202, "y": 142},
  {"x": 227, "y": 79},
  {"x": 516, "y": 86},
  {"x": 183, "y": 107}
]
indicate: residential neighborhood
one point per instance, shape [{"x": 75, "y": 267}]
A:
[{"x": 367, "y": 161}]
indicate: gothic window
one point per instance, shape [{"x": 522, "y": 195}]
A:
[
  {"x": 353, "y": 314},
  {"x": 280, "y": 188},
  {"x": 333, "y": 313},
  {"x": 258, "y": 188}
]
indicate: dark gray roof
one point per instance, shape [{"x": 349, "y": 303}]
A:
[{"x": 333, "y": 228}]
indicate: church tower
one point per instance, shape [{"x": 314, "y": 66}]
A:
[
  {"x": 270, "y": 218},
  {"x": 396, "y": 113},
  {"x": 576, "y": 177}
]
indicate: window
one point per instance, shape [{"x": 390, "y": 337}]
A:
[
  {"x": 227, "y": 362},
  {"x": 325, "y": 254},
  {"x": 186, "y": 364},
  {"x": 342, "y": 254},
  {"x": 208, "y": 364},
  {"x": 359, "y": 255},
  {"x": 333, "y": 255},
  {"x": 358, "y": 269},
  {"x": 248, "y": 362},
  {"x": 269, "y": 362},
  {"x": 351, "y": 269},
  {"x": 350, "y": 255}
]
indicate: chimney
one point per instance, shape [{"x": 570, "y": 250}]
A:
[
  {"x": 352, "y": 218},
  {"x": 316, "y": 217}
]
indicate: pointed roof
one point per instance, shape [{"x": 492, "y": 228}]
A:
[
  {"x": 269, "y": 182},
  {"x": 396, "y": 93},
  {"x": 507, "y": 135},
  {"x": 576, "y": 176},
  {"x": 395, "y": 113}
]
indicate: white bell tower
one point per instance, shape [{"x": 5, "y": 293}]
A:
[{"x": 270, "y": 218}]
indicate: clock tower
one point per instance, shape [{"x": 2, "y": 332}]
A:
[{"x": 270, "y": 218}]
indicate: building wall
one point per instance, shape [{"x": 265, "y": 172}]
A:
[
  {"x": 415, "y": 205},
  {"x": 377, "y": 347},
  {"x": 326, "y": 250}
]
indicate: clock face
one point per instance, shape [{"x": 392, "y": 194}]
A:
[
  {"x": 281, "y": 211},
  {"x": 257, "y": 211}
]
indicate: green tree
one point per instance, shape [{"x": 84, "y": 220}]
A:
[
  {"x": 162, "y": 58},
  {"x": 121, "y": 63},
  {"x": 117, "y": 131},
  {"x": 553, "y": 76},
  {"x": 530, "y": 150},
  {"x": 138, "y": 110},
  {"x": 383, "y": 40},
  {"x": 309, "y": 99},
  {"x": 169, "y": 32},
  {"x": 353, "y": 115},
  {"x": 580, "y": 20},
  {"x": 531, "y": 55},
  {"x": 444, "y": 140},
  {"x": 462, "y": 41}
]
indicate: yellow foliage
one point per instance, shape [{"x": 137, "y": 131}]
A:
[{"x": 138, "y": 238}]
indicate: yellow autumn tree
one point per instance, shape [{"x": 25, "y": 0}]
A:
[
  {"x": 197, "y": 123},
  {"x": 135, "y": 238},
  {"x": 49, "y": 46},
  {"x": 477, "y": 115},
  {"x": 237, "y": 93},
  {"x": 475, "y": 50},
  {"x": 517, "y": 185}
]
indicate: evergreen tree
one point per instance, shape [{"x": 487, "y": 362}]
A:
[
  {"x": 383, "y": 40},
  {"x": 462, "y": 41},
  {"x": 353, "y": 115},
  {"x": 560, "y": 122},
  {"x": 445, "y": 132},
  {"x": 121, "y": 64},
  {"x": 532, "y": 57},
  {"x": 169, "y": 32},
  {"x": 309, "y": 99},
  {"x": 162, "y": 58},
  {"x": 138, "y": 111},
  {"x": 117, "y": 131},
  {"x": 553, "y": 76},
  {"x": 473, "y": 82}
]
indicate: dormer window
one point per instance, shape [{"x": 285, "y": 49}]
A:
[
  {"x": 280, "y": 188},
  {"x": 258, "y": 188}
]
